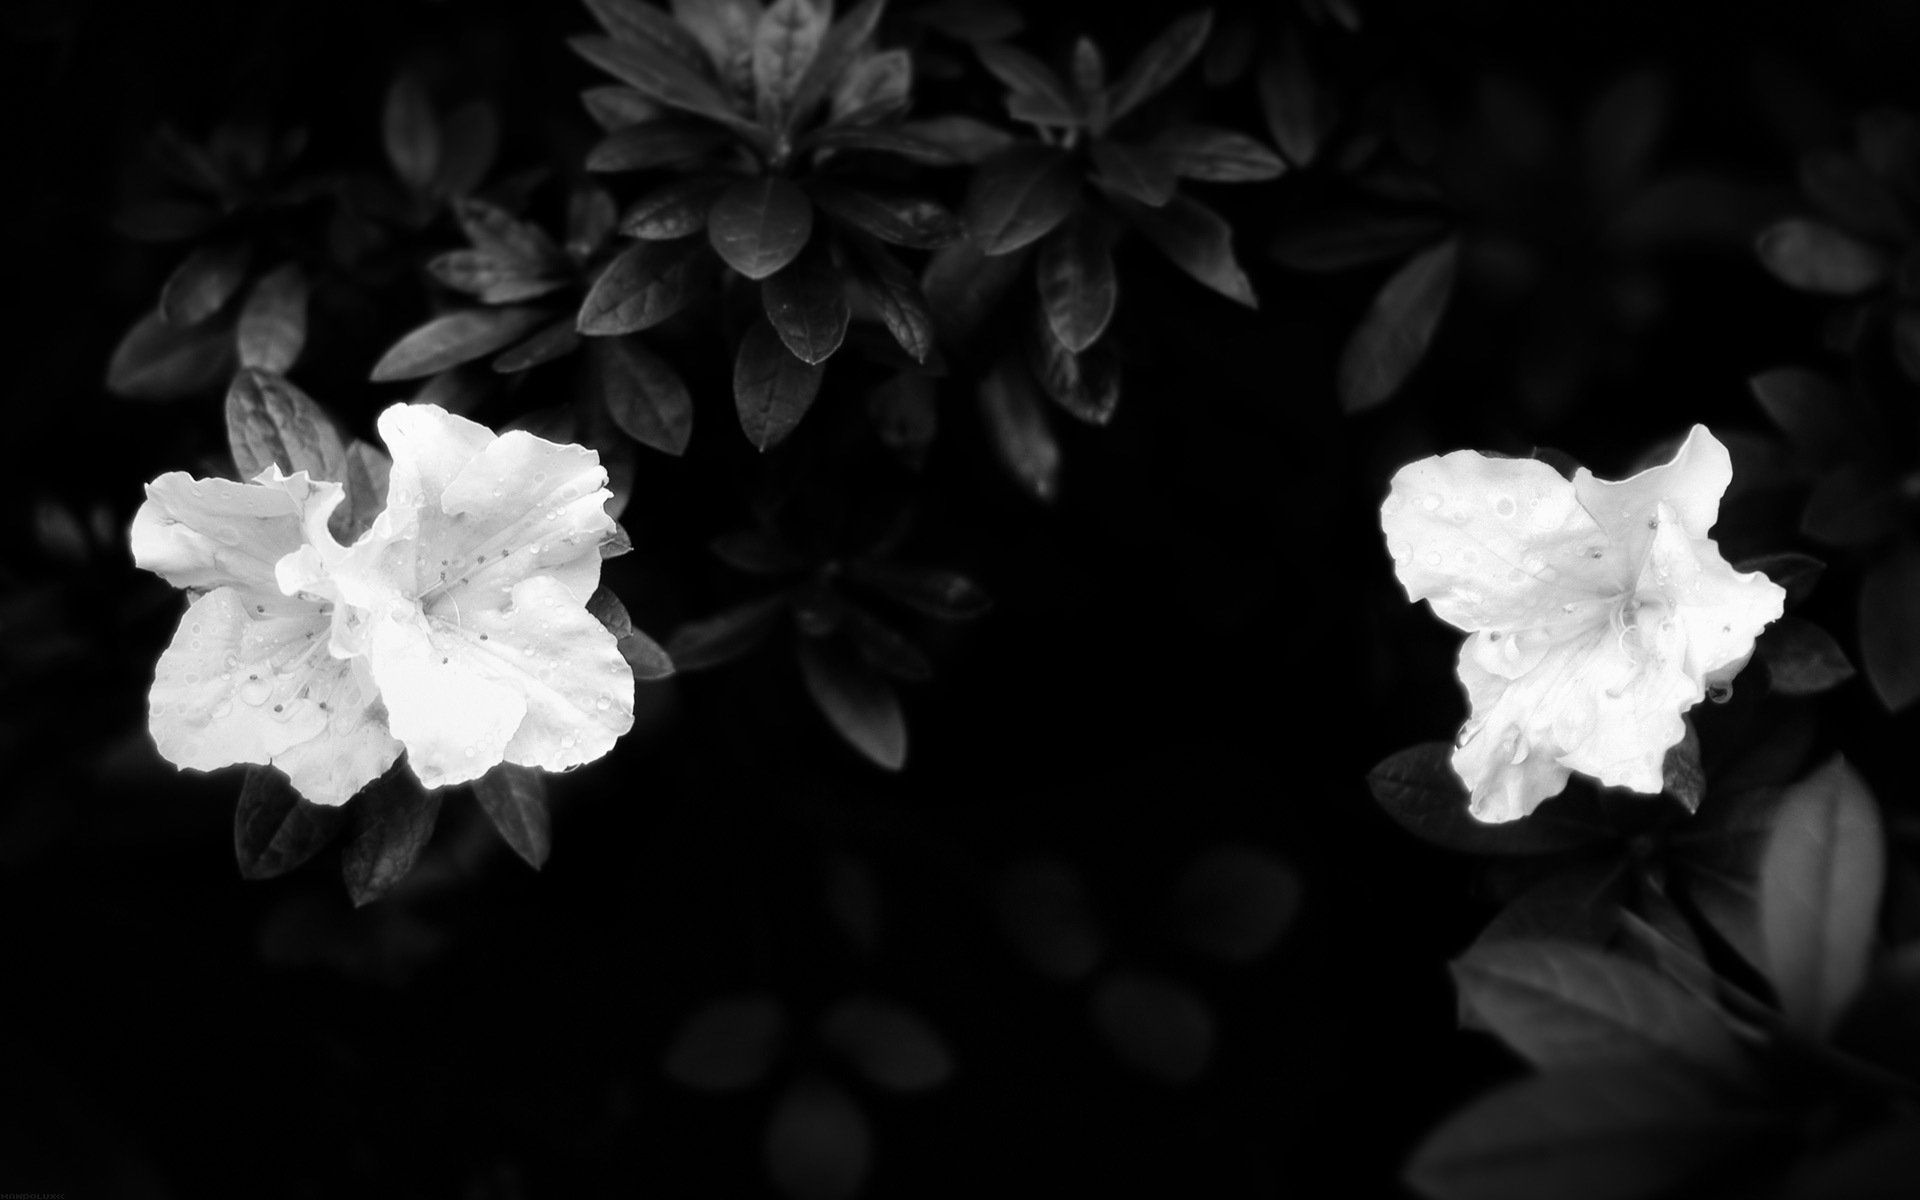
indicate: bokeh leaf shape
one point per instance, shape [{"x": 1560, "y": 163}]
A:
[
  {"x": 1049, "y": 917},
  {"x": 1078, "y": 289},
  {"x": 1159, "y": 1026},
  {"x": 1809, "y": 408},
  {"x": 785, "y": 42},
  {"x": 1161, "y": 62},
  {"x": 1140, "y": 173},
  {"x": 728, "y": 1045},
  {"x": 272, "y": 329},
  {"x": 1555, "y": 1003},
  {"x": 1855, "y": 504},
  {"x": 892, "y": 1046},
  {"x": 1199, "y": 241},
  {"x": 641, "y": 23},
  {"x": 455, "y": 338},
  {"x": 1880, "y": 1164},
  {"x": 1234, "y": 903},
  {"x": 1019, "y": 197},
  {"x": 1394, "y": 335},
  {"x": 1815, "y": 257},
  {"x": 1296, "y": 106},
  {"x": 203, "y": 283},
  {"x": 1599, "y": 612},
  {"x": 1821, "y": 877},
  {"x": 155, "y": 361},
  {"x": 1599, "y": 1131},
  {"x": 857, "y": 701},
  {"x": 726, "y": 636},
  {"x": 819, "y": 1145},
  {"x": 1035, "y": 92},
  {"x": 760, "y": 225},
  {"x": 1889, "y": 616},
  {"x": 411, "y": 132},
  {"x": 389, "y": 826},
  {"x": 1018, "y": 426},
  {"x": 644, "y": 395},
  {"x": 938, "y": 593},
  {"x": 515, "y": 800},
  {"x": 1802, "y": 658},
  {"x": 642, "y": 286},
  {"x": 274, "y": 829}
]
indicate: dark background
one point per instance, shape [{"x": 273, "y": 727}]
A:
[{"x": 1200, "y": 645}]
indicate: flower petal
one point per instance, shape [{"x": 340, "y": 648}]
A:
[
  {"x": 1495, "y": 543},
  {"x": 429, "y": 446},
  {"x": 446, "y": 703},
  {"x": 1721, "y": 610},
  {"x": 1509, "y": 763},
  {"x": 1692, "y": 482},
  {"x": 209, "y": 533},
  {"x": 526, "y": 492}
]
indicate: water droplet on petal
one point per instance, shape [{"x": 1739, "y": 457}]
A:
[
  {"x": 603, "y": 703},
  {"x": 553, "y": 514},
  {"x": 1430, "y": 501},
  {"x": 255, "y": 691},
  {"x": 1504, "y": 506},
  {"x": 1433, "y": 558},
  {"x": 472, "y": 752},
  {"x": 190, "y": 677}
]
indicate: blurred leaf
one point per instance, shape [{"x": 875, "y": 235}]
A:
[
  {"x": 269, "y": 421},
  {"x": 673, "y": 210},
  {"x": 490, "y": 278},
  {"x": 879, "y": 86},
  {"x": 1077, "y": 286},
  {"x": 274, "y": 830},
  {"x": 895, "y": 295},
  {"x": 640, "y": 23},
  {"x": 1049, "y": 917},
  {"x": 1026, "y": 447},
  {"x": 1139, "y": 173},
  {"x": 760, "y": 225},
  {"x": 1623, "y": 127},
  {"x": 1198, "y": 241},
  {"x": 1292, "y": 102},
  {"x": 724, "y": 637},
  {"x": 943, "y": 595},
  {"x": 412, "y": 132},
  {"x": 555, "y": 341},
  {"x": 661, "y": 77},
  {"x": 1393, "y": 337},
  {"x": 1161, "y": 62},
  {"x": 457, "y": 337},
  {"x": 520, "y": 244},
  {"x": 784, "y": 45},
  {"x": 643, "y": 394},
  {"x": 1020, "y": 197},
  {"x": 1156, "y": 1025},
  {"x": 897, "y": 140},
  {"x": 1809, "y": 408},
  {"x": 155, "y": 361},
  {"x": 469, "y": 141},
  {"x": 392, "y": 820},
  {"x": 1797, "y": 573},
  {"x": 368, "y": 469},
  {"x": 1419, "y": 789},
  {"x": 1340, "y": 243},
  {"x": 964, "y": 139},
  {"x": 188, "y": 165},
  {"x": 890, "y": 1045},
  {"x": 1802, "y": 658},
  {"x": 971, "y": 20},
  {"x": 1890, "y": 627},
  {"x": 1814, "y": 257},
  {"x": 1233, "y": 903},
  {"x": 818, "y": 1146},
  {"x": 898, "y": 221},
  {"x": 515, "y": 800},
  {"x": 1216, "y": 155},
  {"x": 883, "y": 647},
  {"x": 644, "y": 656},
  {"x": 1681, "y": 775},
  {"x": 1086, "y": 385},
  {"x": 613, "y": 107},
  {"x": 1601, "y": 1131},
  {"x": 1036, "y": 93},
  {"x": 642, "y": 286},
  {"x": 1556, "y": 1003},
  {"x": 1578, "y": 901},
  {"x": 964, "y": 288},
  {"x": 728, "y": 1045},
  {"x": 844, "y": 52},
  {"x": 859, "y": 704},
  {"x": 1820, "y": 882},
  {"x": 905, "y": 415},
  {"x": 653, "y": 145},
  {"x": 806, "y": 303},
  {"x": 1090, "y": 79},
  {"x": 1906, "y": 342},
  {"x": 203, "y": 283},
  {"x": 591, "y": 217},
  {"x": 272, "y": 328},
  {"x": 1854, "y": 505},
  {"x": 772, "y": 389},
  {"x": 1842, "y": 187}
]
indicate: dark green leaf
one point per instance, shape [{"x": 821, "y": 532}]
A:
[
  {"x": 1419, "y": 789},
  {"x": 1578, "y": 901},
  {"x": 368, "y": 469},
  {"x": 1555, "y": 1003},
  {"x": 892, "y": 1047},
  {"x": 1842, "y": 186},
  {"x": 905, "y": 415},
  {"x": 515, "y": 800},
  {"x": 491, "y": 279},
  {"x": 659, "y": 76},
  {"x": 591, "y": 217},
  {"x": 641, "y": 23},
  {"x": 965, "y": 287},
  {"x": 555, "y": 341},
  {"x": 895, "y": 295},
  {"x": 1797, "y": 573},
  {"x": 457, "y": 337},
  {"x": 643, "y": 394},
  {"x": 1020, "y": 197},
  {"x": 1035, "y": 93},
  {"x": 884, "y": 648},
  {"x": 876, "y": 88},
  {"x": 1343, "y": 242},
  {"x": 859, "y": 704},
  {"x": 496, "y": 232},
  {"x": 896, "y": 220},
  {"x": 1137, "y": 172},
  {"x": 1161, "y": 62},
  {"x": 1802, "y": 658},
  {"x": 898, "y": 141},
  {"x": 772, "y": 389},
  {"x": 1077, "y": 286},
  {"x": 1814, "y": 257},
  {"x": 843, "y": 54},
  {"x": 1600, "y": 1131},
  {"x": 1087, "y": 385},
  {"x": 647, "y": 660},
  {"x": 392, "y": 820},
  {"x": 759, "y": 225},
  {"x": 806, "y": 303},
  {"x": 944, "y": 595},
  {"x": 1890, "y": 627},
  {"x": 1820, "y": 882},
  {"x": 469, "y": 142},
  {"x": 644, "y": 285},
  {"x": 272, "y": 329},
  {"x": 155, "y": 361},
  {"x": 203, "y": 283},
  {"x": 614, "y": 107},
  {"x": 1681, "y": 775},
  {"x": 655, "y": 144},
  {"x": 1198, "y": 241},
  {"x": 274, "y": 830},
  {"x": 728, "y": 1045},
  {"x": 1809, "y": 408},
  {"x": 1854, "y": 505},
  {"x": 1297, "y": 110},
  {"x": 1394, "y": 335},
  {"x": 1216, "y": 155},
  {"x": 271, "y": 421},
  {"x": 724, "y": 637},
  {"x": 411, "y": 131},
  {"x": 1021, "y": 438},
  {"x": 964, "y": 139},
  {"x": 785, "y": 43},
  {"x": 674, "y": 210}
]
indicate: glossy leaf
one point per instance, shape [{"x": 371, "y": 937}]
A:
[
  {"x": 1820, "y": 882},
  {"x": 806, "y": 303},
  {"x": 555, "y": 341},
  {"x": 895, "y": 295},
  {"x": 725, "y": 636},
  {"x": 785, "y": 42},
  {"x": 1020, "y": 197},
  {"x": 457, "y": 337},
  {"x": 653, "y": 145},
  {"x": 639, "y": 22},
  {"x": 1161, "y": 62},
  {"x": 1802, "y": 658},
  {"x": 941, "y": 594},
  {"x": 1087, "y": 385},
  {"x": 643, "y": 286},
  {"x": 877, "y": 87},
  {"x": 1018, "y": 427},
  {"x": 643, "y": 394},
  {"x": 1393, "y": 337},
  {"x": 274, "y": 830},
  {"x": 1078, "y": 290},
  {"x": 1890, "y": 627},
  {"x": 1198, "y": 241},
  {"x": 270, "y": 421},
  {"x": 673, "y": 210},
  {"x": 660, "y": 76},
  {"x": 1216, "y": 155},
  {"x": 272, "y": 329},
  {"x": 760, "y": 225},
  {"x": 772, "y": 389},
  {"x": 896, "y": 220},
  {"x": 1293, "y": 102},
  {"x": 202, "y": 284},
  {"x": 391, "y": 821},
  {"x": 1418, "y": 788},
  {"x": 155, "y": 361},
  {"x": 1139, "y": 173},
  {"x": 1035, "y": 93},
  {"x": 1815, "y": 257},
  {"x": 515, "y": 800},
  {"x": 859, "y": 703}
]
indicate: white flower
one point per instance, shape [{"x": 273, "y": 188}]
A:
[
  {"x": 1599, "y": 611},
  {"x": 454, "y": 628}
]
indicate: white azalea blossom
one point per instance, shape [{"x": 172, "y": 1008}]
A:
[
  {"x": 455, "y": 628},
  {"x": 1598, "y": 611}
]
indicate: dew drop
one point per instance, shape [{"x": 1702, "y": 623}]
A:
[
  {"x": 1430, "y": 501},
  {"x": 553, "y": 514},
  {"x": 1399, "y": 550},
  {"x": 1433, "y": 558},
  {"x": 472, "y": 752},
  {"x": 196, "y": 627},
  {"x": 1504, "y": 506},
  {"x": 190, "y": 677},
  {"x": 603, "y": 703},
  {"x": 499, "y": 492},
  {"x": 255, "y": 692}
]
